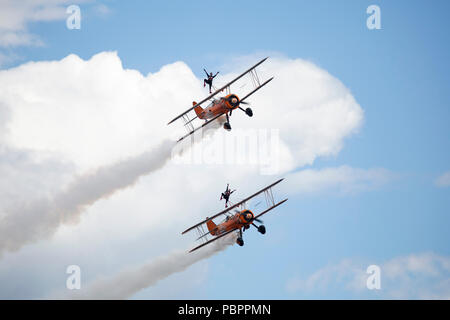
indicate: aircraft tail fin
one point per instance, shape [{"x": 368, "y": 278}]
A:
[
  {"x": 212, "y": 227},
  {"x": 198, "y": 110}
]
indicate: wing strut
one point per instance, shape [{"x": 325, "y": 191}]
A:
[
  {"x": 272, "y": 207},
  {"x": 256, "y": 89}
]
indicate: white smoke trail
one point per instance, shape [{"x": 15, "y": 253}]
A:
[
  {"x": 128, "y": 282},
  {"x": 30, "y": 222},
  {"x": 37, "y": 220}
]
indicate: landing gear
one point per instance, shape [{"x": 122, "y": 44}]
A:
[
  {"x": 262, "y": 229},
  {"x": 240, "y": 240},
  {"x": 248, "y": 112},
  {"x": 227, "y": 125}
]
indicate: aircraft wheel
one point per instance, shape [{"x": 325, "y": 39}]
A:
[
  {"x": 262, "y": 229},
  {"x": 249, "y": 112},
  {"x": 227, "y": 126},
  {"x": 240, "y": 241}
]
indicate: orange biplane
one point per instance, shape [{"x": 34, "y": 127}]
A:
[
  {"x": 241, "y": 220},
  {"x": 221, "y": 106}
]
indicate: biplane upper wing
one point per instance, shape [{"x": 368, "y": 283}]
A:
[
  {"x": 220, "y": 90},
  {"x": 234, "y": 206},
  {"x": 212, "y": 240}
]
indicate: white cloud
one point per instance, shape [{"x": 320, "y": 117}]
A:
[
  {"x": 416, "y": 276},
  {"x": 16, "y": 15},
  {"x": 443, "y": 180},
  {"x": 94, "y": 114},
  {"x": 313, "y": 110},
  {"x": 342, "y": 180},
  {"x": 348, "y": 274}
]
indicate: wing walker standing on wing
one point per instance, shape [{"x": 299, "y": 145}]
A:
[
  {"x": 226, "y": 195},
  {"x": 209, "y": 79}
]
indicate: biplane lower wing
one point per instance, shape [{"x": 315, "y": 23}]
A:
[
  {"x": 233, "y": 206},
  {"x": 205, "y": 124},
  {"x": 212, "y": 240}
]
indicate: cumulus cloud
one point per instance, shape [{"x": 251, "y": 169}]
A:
[
  {"x": 348, "y": 274},
  {"x": 416, "y": 276},
  {"x": 443, "y": 180},
  {"x": 93, "y": 114},
  {"x": 312, "y": 110}
]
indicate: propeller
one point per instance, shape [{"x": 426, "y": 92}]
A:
[
  {"x": 258, "y": 220},
  {"x": 234, "y": 101},
  {"x": 250, "y": 221}
]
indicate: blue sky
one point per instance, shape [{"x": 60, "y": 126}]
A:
[{"x": 398, "y": 75}]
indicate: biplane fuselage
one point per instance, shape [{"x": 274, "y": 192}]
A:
[
  {"x": 217, "y": 107},
  {"x": 239, "y": 220}
]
